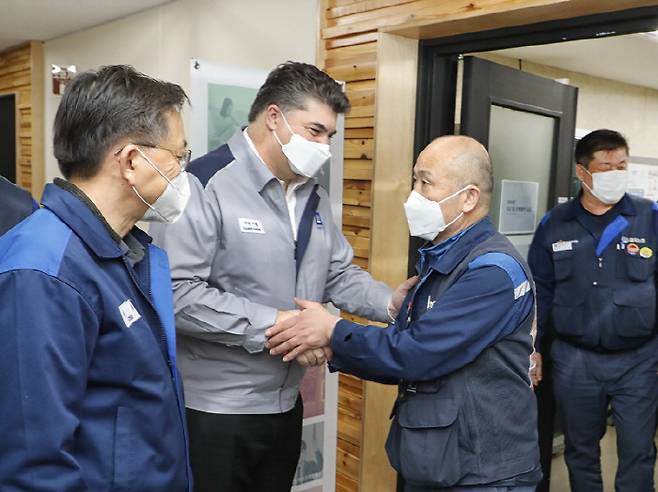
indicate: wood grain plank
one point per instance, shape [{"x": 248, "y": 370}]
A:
[
  {"x": 339, "y": 3},
  {"x": 335, "y": 54},
  {"x": 345, "y": 483},
  {"x": 359, "y": 148},
  {"x": 356, "y": 59},
  {"x": 352, "y": 383},
  {"x": 359, "y": 122},
  {"x": 356, "y": 231},
  {"x": 349, "y": 463},
  {"x": 361, "y": 85},
  {"x": 359, "y": 132},
  {"x": 361, "y": 262},
  {"x": 350, "y": 40},
  {"x": 358, "y": 168},
  {"x": 362, "y": 99},
  {"x": 347, "y": 73},
  {"x": 362, "y": 6},
  {"x": 357, "y": 192}
]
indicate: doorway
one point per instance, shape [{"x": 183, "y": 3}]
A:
[
  {"x": 480, "y": 85},
  {"x": 8, "y": 137}
]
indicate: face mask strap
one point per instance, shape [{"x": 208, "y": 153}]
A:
[
  {"x": 156, "y": 168},
  {"x": 149, "y": 205},
  {"x": 454, "y": 194},
  {"x": 286, "y": 122},
  {"x": 459, "y": 216}
]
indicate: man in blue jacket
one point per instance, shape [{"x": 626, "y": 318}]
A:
[
  {"x": 15, "y": 205},
  {"x": 594, "y": 262},
  {"x": 91, "y": 400},
  {"x": 465, "y": 418}
]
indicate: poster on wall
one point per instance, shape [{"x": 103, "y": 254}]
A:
[
  {"x": 643, "y": 177},
  {"x": 518, "y": 206},
  {"x": 221, "y": 96}
]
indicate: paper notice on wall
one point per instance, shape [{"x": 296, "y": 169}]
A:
[
  {"x": 518, "y": 206},
  {"x": 643, "y": 180}
]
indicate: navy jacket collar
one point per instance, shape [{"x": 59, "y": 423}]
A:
[
  {"x": 477, "y": 233},
  {"x": 79, "y": 213},
  {"x": 574, "y": 207}
]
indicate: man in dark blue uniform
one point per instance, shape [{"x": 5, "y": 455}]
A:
[
  {"x": 594, "y": 263},
  {"x": 15, "y": 205},
  {"x": 460, "y": 347},
  {"x": 91, "y": 399}
]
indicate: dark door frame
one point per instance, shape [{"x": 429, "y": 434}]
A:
[
  {"x": 487, "y": 83},
  {"x": 438, "y": 59},
  {"x": 13, "y": 136},
  {"x": 437, "y": 67}
]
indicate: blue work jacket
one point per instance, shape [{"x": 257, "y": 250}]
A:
[
  {"x": 91, "y": 400},
  {"x": 460, "y": 352},
  {"x": 597, "y": 290},
  {"x": 15, "y": 205},
  {"x": 430, "y": 337}
]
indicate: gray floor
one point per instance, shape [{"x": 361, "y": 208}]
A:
[{"x": 560, "y": 478}]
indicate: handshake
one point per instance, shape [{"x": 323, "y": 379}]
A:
[{"x": 303, "y": 335}]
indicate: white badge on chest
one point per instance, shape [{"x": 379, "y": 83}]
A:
[
  {"x": 563, "y": 245},
  {"x": 251, "y": 225}
]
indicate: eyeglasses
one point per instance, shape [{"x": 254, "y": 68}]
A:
[{"x": 183, "y": 160}]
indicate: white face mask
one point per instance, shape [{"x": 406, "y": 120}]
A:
[
  {"x": 304, "y": 156},
  {"x": 608, "y": 186},
  {"x": 171, "y": 204},
  {"x": 425, "y": 217}
]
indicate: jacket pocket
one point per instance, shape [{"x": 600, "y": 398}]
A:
[
  {"x": 423, "y": 444},
  {"x": 635, "y": 310},
  {"x": 636, "y": 268},
  {"x": 126, "y": 447},
  {"x": 563, "y": 266},
  {"x": 567, "y": 309}
]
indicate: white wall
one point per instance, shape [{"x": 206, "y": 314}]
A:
[
  {"x": 603, "y": 103},
  {"x": 160, "y": 42}
]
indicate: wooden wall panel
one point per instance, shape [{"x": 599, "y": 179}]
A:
[
  {"x": 352, "y": 47},
  {"x": 21, "y": 74}
]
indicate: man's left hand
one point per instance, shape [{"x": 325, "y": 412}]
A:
[
  {"x": 400, "y": 295},
  {"x": 311, "y": 329}
]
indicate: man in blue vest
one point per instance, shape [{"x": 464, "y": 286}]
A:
[
  {"x": 15, "y": 205},
  {"x": 459, "y": 349},
  {"x": 91, "y": 400},
  {"x": 594, "y": 263}
]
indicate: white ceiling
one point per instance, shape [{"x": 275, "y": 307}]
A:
[
  {"x": 632, "y": 58},
  {"x": 41, "y": 20}
]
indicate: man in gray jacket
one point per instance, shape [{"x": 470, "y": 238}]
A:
[{"x": 257, "y": 233}]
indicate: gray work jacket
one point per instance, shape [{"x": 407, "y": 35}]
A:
[{"x": 233, "y": 266}]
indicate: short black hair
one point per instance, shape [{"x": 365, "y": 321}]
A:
[
  {"x": 100, "y": 108},
  {"x": 598, "y": 140},
  {"x": 291, "y": 83}
]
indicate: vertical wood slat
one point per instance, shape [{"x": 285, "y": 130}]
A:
[{"x": 21, "y": 74}]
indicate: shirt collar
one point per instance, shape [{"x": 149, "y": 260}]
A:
[
  {"x": 76, "y": 210},
  {"x": 443, "y": 257},
  {"x": 292, "y": 185},
  {"x": 575, "y": 207}
]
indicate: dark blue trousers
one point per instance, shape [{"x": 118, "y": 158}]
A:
[{"x": 585, "y": 383}]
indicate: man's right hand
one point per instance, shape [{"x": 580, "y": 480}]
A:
[
  {"x": 314, "y": 357},
  {"x": 536, "y": 368}
]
